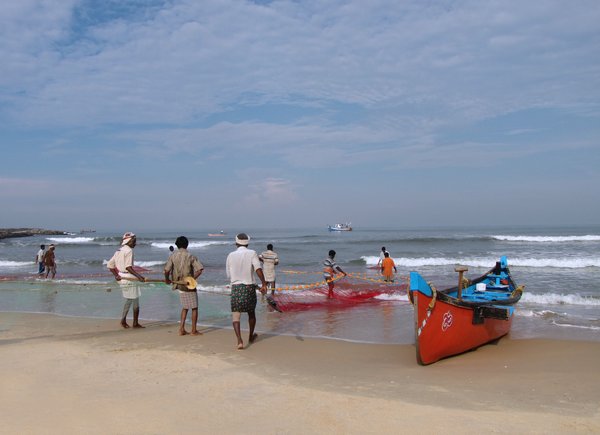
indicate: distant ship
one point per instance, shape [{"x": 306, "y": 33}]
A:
[
  {"x": 219, "y": 234},
  {"x": 340, "y": 227},
  {"x": 86, "y": 231}
]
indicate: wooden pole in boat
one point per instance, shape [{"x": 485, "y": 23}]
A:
[{"x": 460, "y": 269}]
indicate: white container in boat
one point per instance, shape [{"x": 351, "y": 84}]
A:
[{"x": 480, "y": 287}]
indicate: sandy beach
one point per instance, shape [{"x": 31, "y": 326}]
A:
[{"x": 80, "y": 375}]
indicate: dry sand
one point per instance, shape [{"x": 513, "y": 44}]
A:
[{"x": 77, "y": 375}]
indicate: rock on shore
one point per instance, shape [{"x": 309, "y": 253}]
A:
[{"x": 5, "y": 233}]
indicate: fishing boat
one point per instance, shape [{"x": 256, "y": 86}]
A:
[
  {"x": 219, "y": 234},
  {"x": 340, "y": 227},
  {"x": 462, "y": 318}
]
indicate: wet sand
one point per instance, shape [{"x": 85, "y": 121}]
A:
[{"x": 79, "y": 375}]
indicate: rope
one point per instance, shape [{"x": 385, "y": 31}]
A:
[{"x": 429, "y": 310}]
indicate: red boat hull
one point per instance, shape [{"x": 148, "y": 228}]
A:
[{"x": 449, "y": 329}]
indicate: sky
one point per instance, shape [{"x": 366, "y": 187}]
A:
[{"x": 138, "y": 115}]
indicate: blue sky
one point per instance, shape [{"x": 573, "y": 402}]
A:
[{"x": 240, "y": 114}]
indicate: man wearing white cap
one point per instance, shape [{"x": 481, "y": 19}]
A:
[
  {"x": 121, "y": 266},
  {"x": 240, "y": 266}
]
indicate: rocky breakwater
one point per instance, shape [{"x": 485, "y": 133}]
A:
[{"x": 6, "y": 233}]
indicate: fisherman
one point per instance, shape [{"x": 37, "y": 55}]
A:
[
  {"x": 39, "y": 259},
  {"x": 121, "y": 266},
  {"x": 387, "y": 265},
  {"x": 182, "y": 264},
  {"x": 50, "y": 262},
  {"x": 269, "y": 260},
  {"x": 241, "y": 265},
  {"x": 381, "y": 256},
  {"x": 330, "y": 268}
]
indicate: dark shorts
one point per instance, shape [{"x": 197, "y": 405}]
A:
[
  {"x": 243, "y": 298},
  {"x": 189, "y": 300}
]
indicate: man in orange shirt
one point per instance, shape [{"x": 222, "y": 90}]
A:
[{"x": 388, "y": 267}]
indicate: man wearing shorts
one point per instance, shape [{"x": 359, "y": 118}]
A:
[
  {"x": 241, "y": 266},
  {"x": 180, "y": 265},
  {"x": 121, "y": 266}
]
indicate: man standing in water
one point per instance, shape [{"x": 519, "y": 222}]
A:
[
  {"x": 121, "y": 266},
  {"x": 39, "y": 259},
  {"x": 269, "y": 260},
  {"x": 330, "y": 268},
  {"x": 240, "y": 266},
  {"x": 180, "y": 265},
  {"x": 388, "y": 267},
  {"x": 50, "y": 262},
  {"x": 381, "y": 256}
]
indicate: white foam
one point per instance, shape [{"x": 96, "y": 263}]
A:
[
  {"x": 16, "y": 264},
  {"x": 142, "y": 263},
  {"x": 548, "y": 239},
  {"x": 226, "y": 290},
  {"x": 568, "y": 325},
  {"x": 149, "y": 263},
  {"x": 192, "y": 245},
  {"x": 559, "y": 263},
  {"x": 70, "y": 240},
  {"x": 392, "y": 297},
  {"x": 556, "y": 299}
]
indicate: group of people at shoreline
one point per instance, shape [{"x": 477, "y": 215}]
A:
[
  {"x": 46, "y": 261},
  {"x": 242, "y": 265}
]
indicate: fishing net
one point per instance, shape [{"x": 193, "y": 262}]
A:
[{"x": 346, "y": 294}]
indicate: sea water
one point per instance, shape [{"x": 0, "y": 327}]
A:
[{"x": 560, "y": 268}]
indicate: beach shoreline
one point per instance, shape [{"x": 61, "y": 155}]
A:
[{"x": 76, "y": 374}]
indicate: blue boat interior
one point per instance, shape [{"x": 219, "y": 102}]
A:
[{"x": 494, "y": 286}]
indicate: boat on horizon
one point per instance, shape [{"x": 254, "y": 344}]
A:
[
  {"x": 340, "y": 227},
  {"x": 462, "y": 318},
  {"x": 85, "y": 231},
  {"x": 219, "y": 234}
]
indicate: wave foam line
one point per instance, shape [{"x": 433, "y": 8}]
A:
[
  {"x": 556, "y": 299},
  {"x": 192, "y": 245},
  {"x": 559, "y": 263},
  {"x": 70, "y": 240},
  {"x": 548, "y": 239}
]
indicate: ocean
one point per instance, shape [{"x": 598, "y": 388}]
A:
[{"x": 560, "y": 268}]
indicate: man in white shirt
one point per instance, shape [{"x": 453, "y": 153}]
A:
[
  {"x": 121, "y": 266},
  {"x": 39, "y": 259},
  {"x": 269, "y": 260},
  {"x": 241, "y": 265}
]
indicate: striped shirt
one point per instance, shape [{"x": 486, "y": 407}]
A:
[{"x": 329, "y": 267}]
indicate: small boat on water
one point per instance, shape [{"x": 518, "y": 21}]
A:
[
  {"x": 219, "y": 234},
  {"x": 340, "y": 227},
  {"x": 458, "y": 319}
]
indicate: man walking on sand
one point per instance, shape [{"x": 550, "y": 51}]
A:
[
  {"x": 121, "y": 266},
  {"x": 241, "y": 265},
  {"x": 180, "y": 265}
]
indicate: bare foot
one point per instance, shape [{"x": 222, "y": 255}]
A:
[
  {"x": 137, "y": 325},
  {"x": 240, "y": 346},
  {"x": 183, "y": 332},
  {"x": 124, "y": 324},
  {"x": 196, "y": 333},
  {"x": 251, "y": 339}
]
